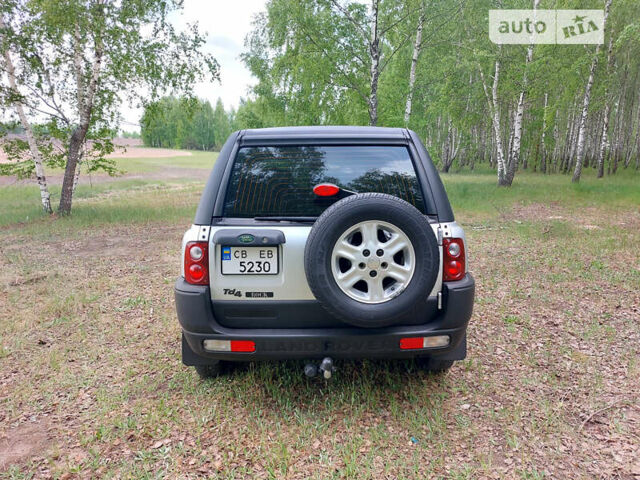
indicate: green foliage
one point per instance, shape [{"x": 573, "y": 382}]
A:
[
  {"x": 313, "y": 67},
  {"x": 188, "y": 123},
  {"x": 125, "y": 134},
  {"x": 76, "y": 62}
]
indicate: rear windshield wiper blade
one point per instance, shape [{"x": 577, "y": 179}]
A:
[{"x": 286, "y": 219}]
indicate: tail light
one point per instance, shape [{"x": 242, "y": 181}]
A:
[
  {"x": 453, "y": 256},
  {"x": 196, "y": 263}
]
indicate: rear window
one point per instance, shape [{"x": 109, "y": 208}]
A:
[{"x": 279, "y": 181}]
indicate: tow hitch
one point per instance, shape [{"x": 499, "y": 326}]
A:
[{"x": 326, "y": 368}]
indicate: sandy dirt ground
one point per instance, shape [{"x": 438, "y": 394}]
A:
[
  {"x": 130, "y": 148},
  {"x": 127, "y": 148}
]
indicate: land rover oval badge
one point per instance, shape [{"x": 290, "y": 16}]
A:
[{"x": 245, "y": 238}]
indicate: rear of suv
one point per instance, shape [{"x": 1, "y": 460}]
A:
[{"x": 323, "y": 243}]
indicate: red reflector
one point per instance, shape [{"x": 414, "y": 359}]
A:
[
  {"x": 454, "y": 269},
  {"x": 243, "y": 346},
  {"x": 411, "y": 343},
  {"x": 196, "y": 272},
  {"x": 326, "y": 189}
]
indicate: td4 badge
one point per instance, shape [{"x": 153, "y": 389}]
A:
[{"x": 232, "y": 291}]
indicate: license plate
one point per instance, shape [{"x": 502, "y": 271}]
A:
[{"x": 249, "y": 260}]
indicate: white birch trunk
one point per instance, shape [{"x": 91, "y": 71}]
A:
[
  {"x": 605, "y": 120},
  {"x": 603, "y": 141},
  {"x": 496, "y": 125},
  {"x": 417, "y": 46},
  {"x": 374, "y": 50},
  {"x": 495, "y": 119},
  {"x": 45, "y": 197},
  {"x": 514, "y": 156},
  {"x": 543, "y": 159},
  {"x": 577, "y": 171}
]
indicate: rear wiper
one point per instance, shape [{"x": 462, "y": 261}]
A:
[{"x": 286, "y": 219}]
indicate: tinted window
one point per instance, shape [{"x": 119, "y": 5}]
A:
[{"x": 279, "y": 181}]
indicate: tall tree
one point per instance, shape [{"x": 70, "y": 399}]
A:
[
  {"x": 514, "y": 151},
  {"x": 314, "y": 64},
  {"x": 582, "y": 130},
  {"x": 321, "y": 60},
  {"x": 417, "y": 47},
  {"x": 77, "y": 60},
  {"x": 221, "y": 124},
  {"x": 607, "y": 111},
  {"x": 38, "y": 166},
  {"x": 188, "y": 123}
]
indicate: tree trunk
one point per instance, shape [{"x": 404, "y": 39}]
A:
[
  {"x": 585, "y": 105},
  {"x": 446, "y": 149},
  {"x": 374, "y": 50},
  {"x": 85, "y": 107},
  {"x": 73, "y": 156},
  {"x": 495, "y": 120},
  {"x": 543, "y": 155},
  {"x": 417, "y": 46},
  {"x": 496, "y": 127},
  {"x": 514, "y": 152},
  {"x": 605, "y": 120},
  {"x": 638, "y": 141},
  {"x": 45, "y": 197}
]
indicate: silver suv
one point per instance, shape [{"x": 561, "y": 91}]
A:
[{"x": 323, "y": 243}]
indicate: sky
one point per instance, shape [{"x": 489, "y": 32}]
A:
[{"x": 226, "y": 22}]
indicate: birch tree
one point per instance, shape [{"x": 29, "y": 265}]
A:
[
  {"x": 607, "y": 111},
  {"x": 417, "y": 46},
  {"x": 514, "y": 151},
  {"x": 314, "y": 64},
  {"x": 577, "y": 171},
  {"x": 543, "y": 149},
  {"x": 18, "y": 104},
  {"x": 77, "y": 61},
  {"x": 322, "y": 60},
  {"x": 494, "y": 110}
]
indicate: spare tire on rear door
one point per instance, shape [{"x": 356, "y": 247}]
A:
[{"x": 371, "y": 259}]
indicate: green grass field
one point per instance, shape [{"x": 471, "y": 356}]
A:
[{"x": 91, "y": 384}]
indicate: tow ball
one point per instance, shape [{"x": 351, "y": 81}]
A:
[{"x": 326, "y": 368}]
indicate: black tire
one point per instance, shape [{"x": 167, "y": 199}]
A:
[
  {"x": 210, "y": 371},
  {"x": 433, "y": 365},
  {"x": 336, "y": 220}
]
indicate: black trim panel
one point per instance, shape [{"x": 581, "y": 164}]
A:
[
  {"x": 300, "y": 314},
  {"x": 195, "y": 313},
  {"x": 443, "y": 207},
  {"x": 210, "y": 192}
]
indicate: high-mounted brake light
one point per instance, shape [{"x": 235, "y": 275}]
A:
[
  {"x": 326, "y": 189},
  {"x": 453, "y": 257},
  {"x": 196, "y": 263}
]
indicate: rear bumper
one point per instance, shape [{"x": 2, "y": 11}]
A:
[{"x": 193, "y": 305}]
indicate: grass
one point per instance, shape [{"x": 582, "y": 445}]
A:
[
  {"x": 92, "y": 385},
  {"x": 477, "y": 193},
  {"x": 154, "y": 196}
]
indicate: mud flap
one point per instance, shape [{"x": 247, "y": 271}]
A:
[
  {"x": 458, "y": 353},
  {"x": 191, "y": 358}
]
